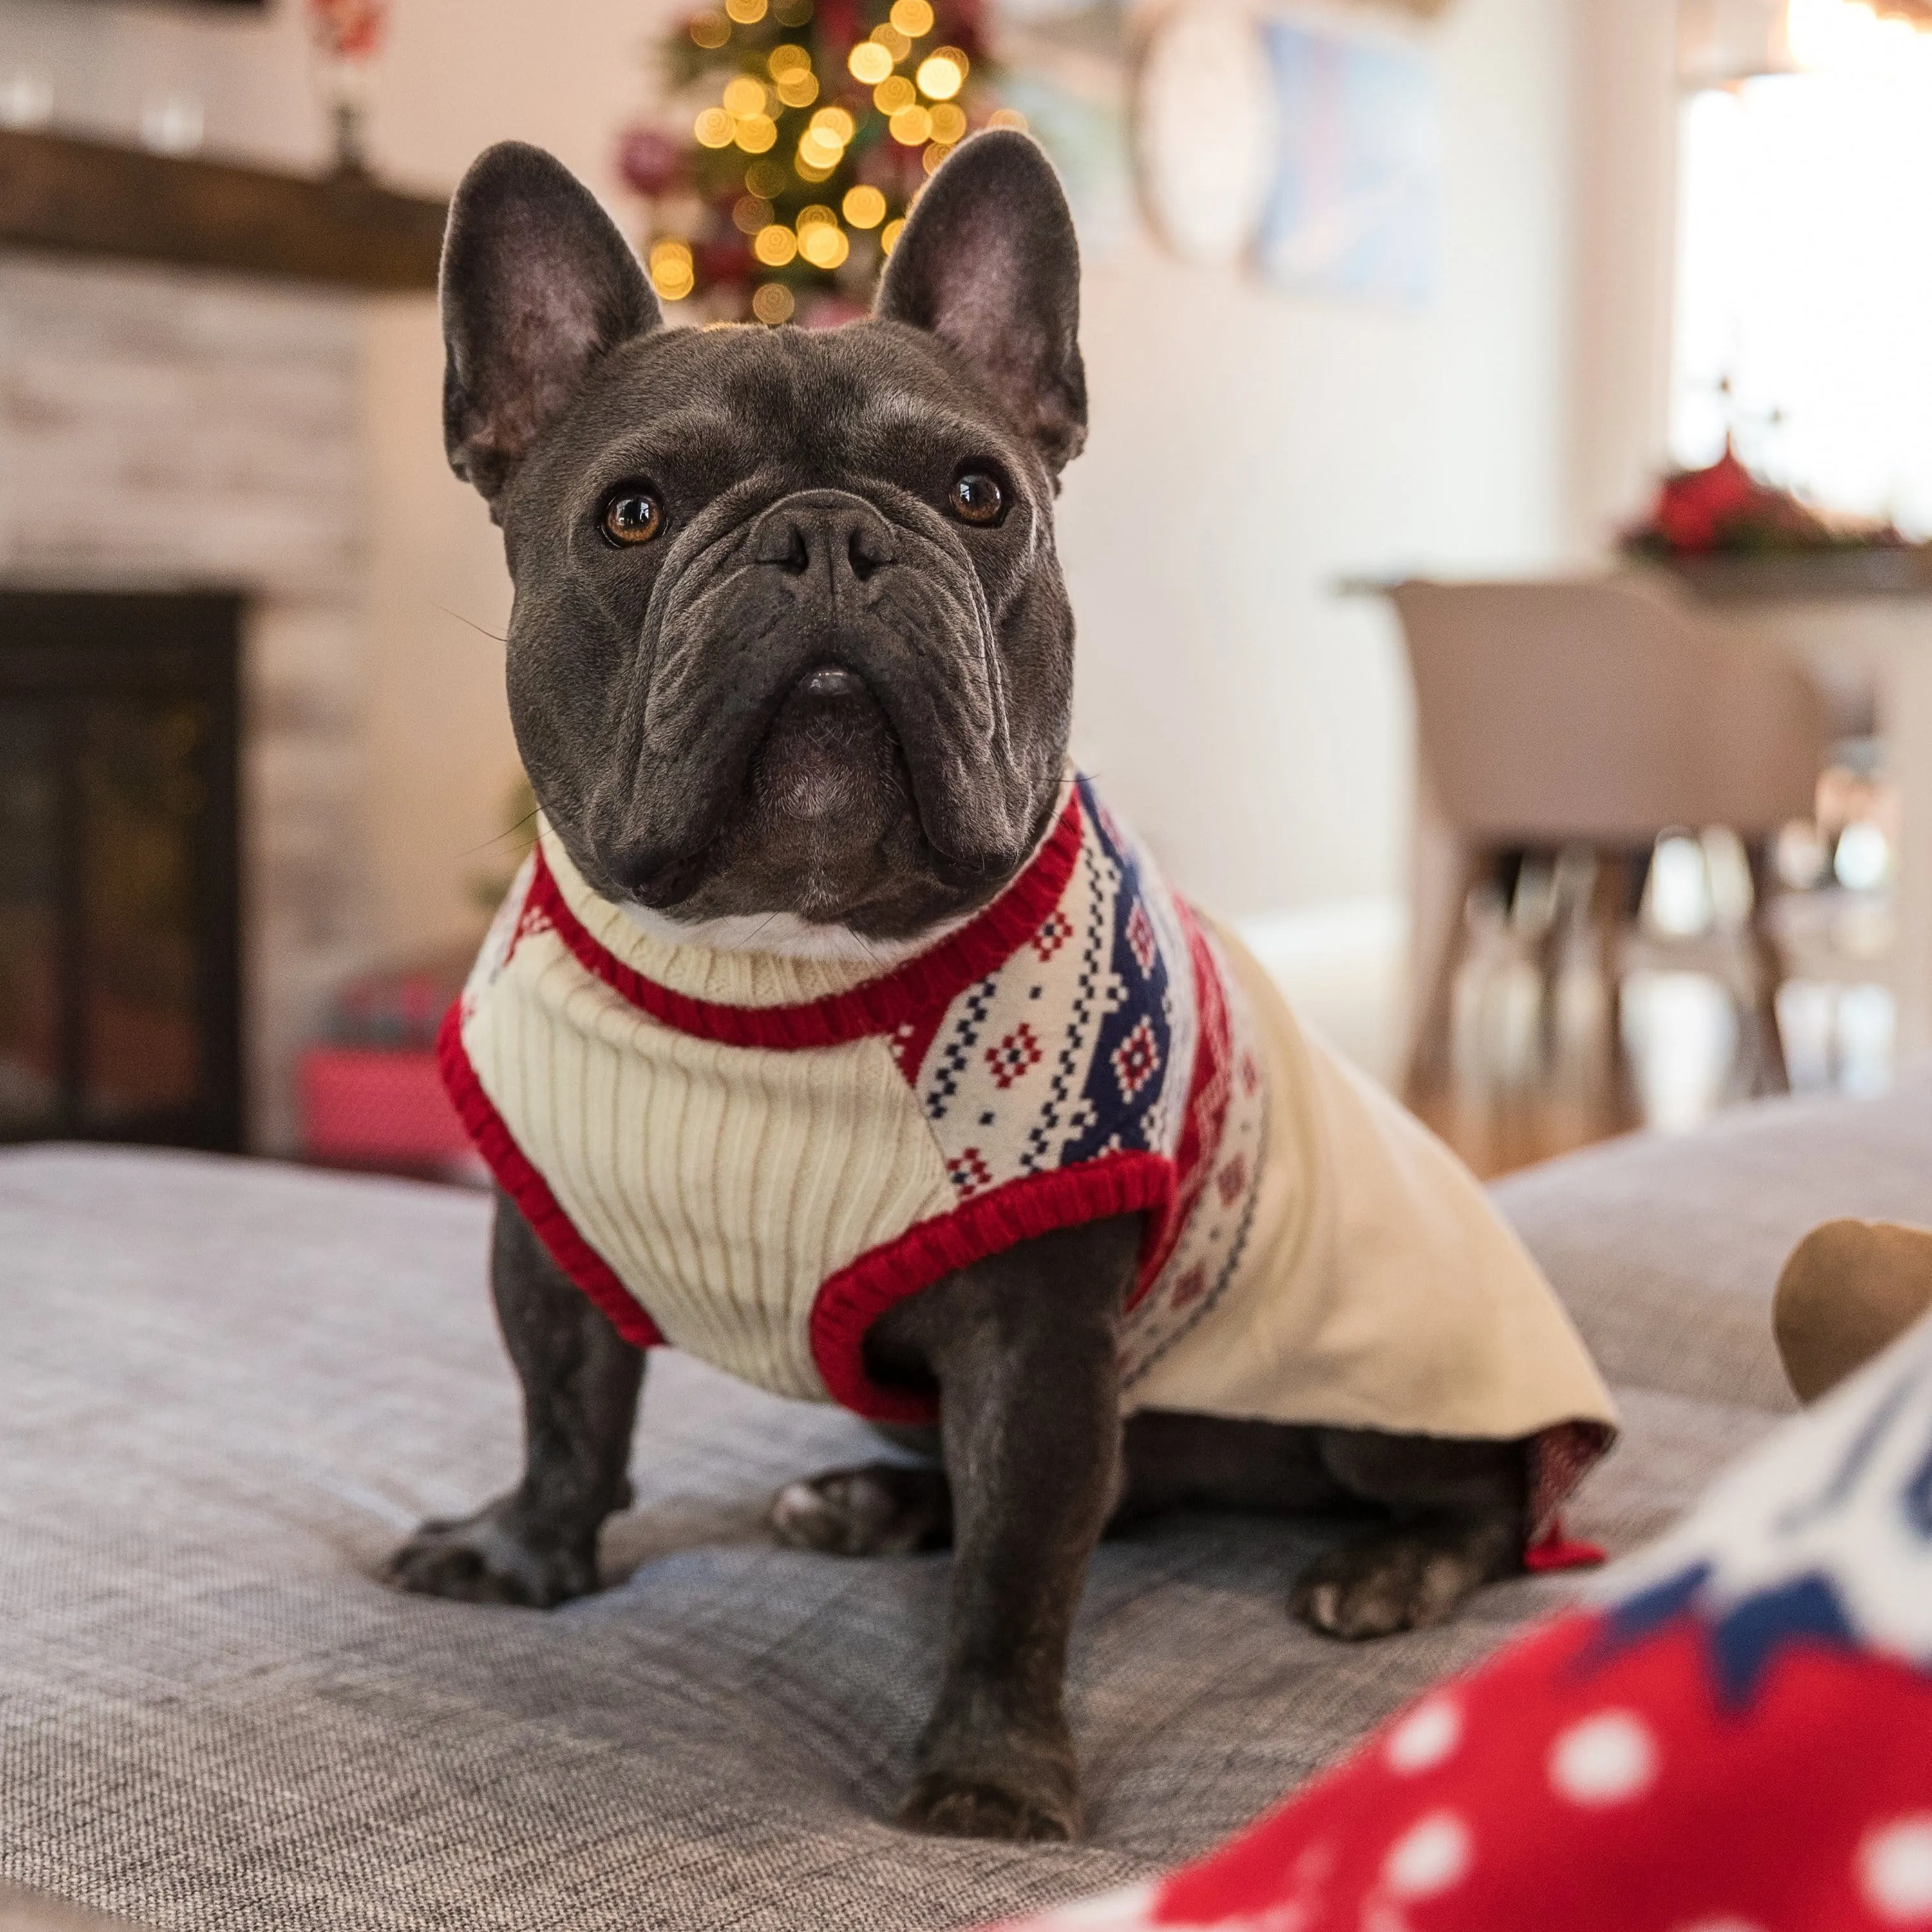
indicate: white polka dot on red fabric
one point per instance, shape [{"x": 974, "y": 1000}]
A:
[
  {"x": 1426, "y": 1738},
  {"x": 1111, "y": 1911},
  {"x": 1607, "y": 1759},
  {"x": 1722, "y": 1925},
  {"x": 1433, "y": 1854},
  {"x": 1895, "y": 1871}
]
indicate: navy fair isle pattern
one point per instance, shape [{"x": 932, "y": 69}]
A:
[
  {"x": 1114, "y": 1029},
  {"x": 1822, "y": 1539},
  {"x": 1147, "y": 1027}
]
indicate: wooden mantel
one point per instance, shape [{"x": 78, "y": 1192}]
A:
[{"x": 92, "y": 198}]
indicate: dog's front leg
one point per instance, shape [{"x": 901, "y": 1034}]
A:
[
  {"x": 1023, "y": 1347},
  {"x": 537, "y": 1544}
]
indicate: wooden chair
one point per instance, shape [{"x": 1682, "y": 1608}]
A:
[{"x": 1597, "y": 713}]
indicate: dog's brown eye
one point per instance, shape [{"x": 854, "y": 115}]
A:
[
  {"x": 977, "y": 498},
  {"x": 632, "y": 517}
]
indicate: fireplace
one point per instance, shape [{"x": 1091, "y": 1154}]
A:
[
  {"x": 120, "y": 941},
  {"x": 162, "y": 432}
]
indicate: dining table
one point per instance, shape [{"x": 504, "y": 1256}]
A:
[{"x": 1861, "y": 621}]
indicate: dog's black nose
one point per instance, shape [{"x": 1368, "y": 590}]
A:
[{"x": 830, "y": 532}]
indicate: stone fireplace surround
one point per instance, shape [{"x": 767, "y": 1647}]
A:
[{"x": 164, "y": 429}]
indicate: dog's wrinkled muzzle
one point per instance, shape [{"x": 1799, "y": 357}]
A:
[{"x": 823, "y": 590}]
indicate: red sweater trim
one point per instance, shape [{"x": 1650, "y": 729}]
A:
[
  {"x": 853, "y": 1299},
  {"x": 928, "y": 982},
  {"x": 1554, "y": 1551},
  {"x": 531, "y": 1192}
]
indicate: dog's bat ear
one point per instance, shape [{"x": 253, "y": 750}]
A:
[
  {"x": 538, "y": 285},
  {"x": 987, "y": 261}
]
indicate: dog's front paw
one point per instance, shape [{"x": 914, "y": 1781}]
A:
[
  {"x": 1383, "y": 1584},
  {"x": 982, "y": 1776},
  {"x": 888, "y": 1509},
  {"x": 950, "y": 1805},
  {"x": 491, "y": 1557}
]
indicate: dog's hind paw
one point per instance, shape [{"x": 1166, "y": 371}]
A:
[
  {"x": 1401, "y": 1581},
  {"x": 887, "y": 1509},
  {"x": 489, "y": 1557}
]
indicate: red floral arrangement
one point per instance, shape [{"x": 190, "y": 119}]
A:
[
  {"x": 1725, "y": 510},
  {"x": 821, "y": 120}
]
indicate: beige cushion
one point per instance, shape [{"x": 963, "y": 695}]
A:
[{"x": 1667, "y": 1251}]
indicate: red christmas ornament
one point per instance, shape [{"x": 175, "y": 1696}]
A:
[
  {"x": 838, "y": 25},
  {"x": 649, "y": 160},
  {"x": 726, "y": 261}
]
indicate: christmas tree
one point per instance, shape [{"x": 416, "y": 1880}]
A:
[{"x": 820, "y": 121}]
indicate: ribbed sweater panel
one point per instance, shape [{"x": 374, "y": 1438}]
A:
[{"x": 727, "y": 1186}]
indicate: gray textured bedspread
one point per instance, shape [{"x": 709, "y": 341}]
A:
[{"x": 227, "y": 1388}]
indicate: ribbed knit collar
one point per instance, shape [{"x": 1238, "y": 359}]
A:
[{"x": 782, "y": 1001}]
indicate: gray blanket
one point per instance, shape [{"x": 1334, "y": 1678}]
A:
[{"x": 227, "y": 1388}]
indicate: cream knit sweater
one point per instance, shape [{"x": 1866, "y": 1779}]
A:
[{"x": 753, "y": 1156}]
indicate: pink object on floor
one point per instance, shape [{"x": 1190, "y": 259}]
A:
[{"x": 370, "y": 1106}]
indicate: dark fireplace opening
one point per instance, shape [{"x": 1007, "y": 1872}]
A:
[{"x": 120, "y": 928}]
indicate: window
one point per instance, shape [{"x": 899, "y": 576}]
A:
[{"x": 1805, "y": 269}]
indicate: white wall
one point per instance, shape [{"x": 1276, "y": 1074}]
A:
[
  {"x": 1623, "y": 245},
  {"x": 455, "y": 75},
  {"x": 1247, "y": 447}
]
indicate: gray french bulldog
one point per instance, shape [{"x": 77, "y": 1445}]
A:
[{"x": 790, "y": 648}]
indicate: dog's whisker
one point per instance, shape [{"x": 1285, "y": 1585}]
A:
[
  {"x": 508, "y": 831},
  {"x": 481, "y": 630}
]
